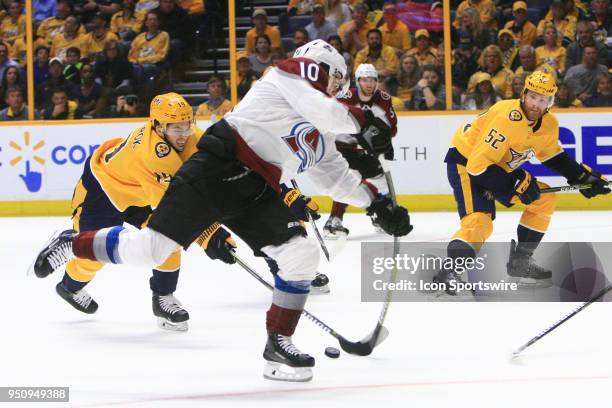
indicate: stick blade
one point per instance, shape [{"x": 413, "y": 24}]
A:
[{"x": 365, "y": 346}]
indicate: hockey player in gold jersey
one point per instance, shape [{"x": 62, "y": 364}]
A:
[
  {"x": 484, "y": 165},
  {"x": 123, "y": 181}
]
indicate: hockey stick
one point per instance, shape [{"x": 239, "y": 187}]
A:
[
  {"x": 379, "y": 329},
  {"x": 314, "y": 227},
  {"x": 568, "y": 188},
  {"x": 562, "y": 320},
  {"x": 360, "y": 348}
]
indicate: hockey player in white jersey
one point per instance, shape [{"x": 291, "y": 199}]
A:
[{"x": 284, "y": 126}]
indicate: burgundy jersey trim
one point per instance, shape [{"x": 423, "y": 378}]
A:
[
  {"x": 305, "y": 68},
  {"x": 248, "y": 157}
]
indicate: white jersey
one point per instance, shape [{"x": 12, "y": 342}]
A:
[{"x": 288, "y": 121}]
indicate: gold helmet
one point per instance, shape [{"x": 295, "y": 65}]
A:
[
  {"x": 541, "y": 82},
  {"x": 170, "y": 108}
]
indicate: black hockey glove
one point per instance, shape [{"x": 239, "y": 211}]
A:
[
  {"x": 375, "y": 136},
  {"x": 394, "y": 221},
  {"x": 526, "y": 188},
  {"x": 217, "y": 243},
  {"x": 599, "y": 184},
  {"x": 299, "y": 204}
]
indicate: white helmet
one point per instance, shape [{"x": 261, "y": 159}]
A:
[
  {"x": 366, "y": 71},
  {"x": 323, "y": 53}
]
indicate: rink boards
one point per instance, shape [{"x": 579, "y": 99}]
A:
[{"x": 40, "y": 162}]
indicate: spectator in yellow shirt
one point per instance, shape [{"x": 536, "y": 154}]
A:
[
  {"x": 551, "y": 53},
  {"x": 13, "y": 25},
  {"x": 395, "y": 33},
  {"x": 302, "y": 7},
  {"x": 381, "y": 56},
  {"x": 98, "y": 37},
  {"x": 149, "y": 49},
  {"x": 486, "y": 9},
  {"x": 246, "y": 76},
  {"x": 408, "y": 74},
  {"x": 523, "y": 30},
  {"x": 501, "y": 77},
  {"x": 53, "y": 26},
  {"x": 509, "y": 50},
  {"x": 564, "y": 23},
  {"x": 127, "y": 23},
  {"x": 70, "y": 37},
  {"x": 354, "y": 32},
  {"x": 19, "y": 50},
  {"x": 261, "y": 26},
  {"x": 423, "y": 51},
  {"x": 217, "y": 104}
]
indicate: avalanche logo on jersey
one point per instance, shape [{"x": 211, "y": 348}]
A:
[
  {"x": 518, "y": 158},
  {"x": 307, "y": 144}
]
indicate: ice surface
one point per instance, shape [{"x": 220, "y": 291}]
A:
[{"x": 437, "y": 354}]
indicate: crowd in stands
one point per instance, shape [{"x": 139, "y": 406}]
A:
[
  {"x": 492, "y": 54},
  {"x": 96, "y": 58}
]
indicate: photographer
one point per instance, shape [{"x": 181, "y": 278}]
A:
[{"x": 127, "y": 106}]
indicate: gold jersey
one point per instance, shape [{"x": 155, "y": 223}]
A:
[
  {"x": 502, "y": 136},
  {"x": 136, "y": 170}
]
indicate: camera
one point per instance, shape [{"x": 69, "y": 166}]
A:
[{"x": 131, "y": 99}]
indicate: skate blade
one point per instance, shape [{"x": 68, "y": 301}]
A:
[
  {"x": 334, "y": 236},
  {"x": 282, "y": 372},
  {"x": 166, "y": 324},
  {"x": 530, "y": 283},
  {"x": 319, "y": 290}
]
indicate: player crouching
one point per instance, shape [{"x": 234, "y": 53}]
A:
[
  {"x": 122, "y": 181},
  {"x": 484, "y": 165}
]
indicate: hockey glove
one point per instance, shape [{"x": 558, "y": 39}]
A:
[
  {"x": 599, "y": 184},
  {"x": 394, "y": 221},
  {"x": 299, "y": 204},
  {"x": 526, "y": 188},
  {"x": 375, "y": 136},
  {"x": 217, "y": 243}
]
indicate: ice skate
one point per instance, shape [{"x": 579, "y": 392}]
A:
[
  {"x": 334, "y": 229},
  {"x": 450, "y": 279},
  {"x": 170, "y": 313},
  {"x": 54, "y": 255},
  {"x": 285, "y": 362},
  {"x": 319, "y": 285},
  {"x": 80, "y": 300},
  {"x": 522, "y": 265}
]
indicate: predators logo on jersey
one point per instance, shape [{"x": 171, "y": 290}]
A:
[
  {"x": 518, "y": 158},
  {"x": 162, "y": 149},
  {"x": 515, "y": 115},
  {"x": 146, "y": 51}
]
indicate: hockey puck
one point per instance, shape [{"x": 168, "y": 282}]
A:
[{"x": 332, "y": 352}]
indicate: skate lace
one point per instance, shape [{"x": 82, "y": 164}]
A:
[
  {"x": 82, "y": 298},
  {"x": 61, "y": 255},
  {"x": 286, "y": 344},
  {"x": 170, "y": 304}
]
